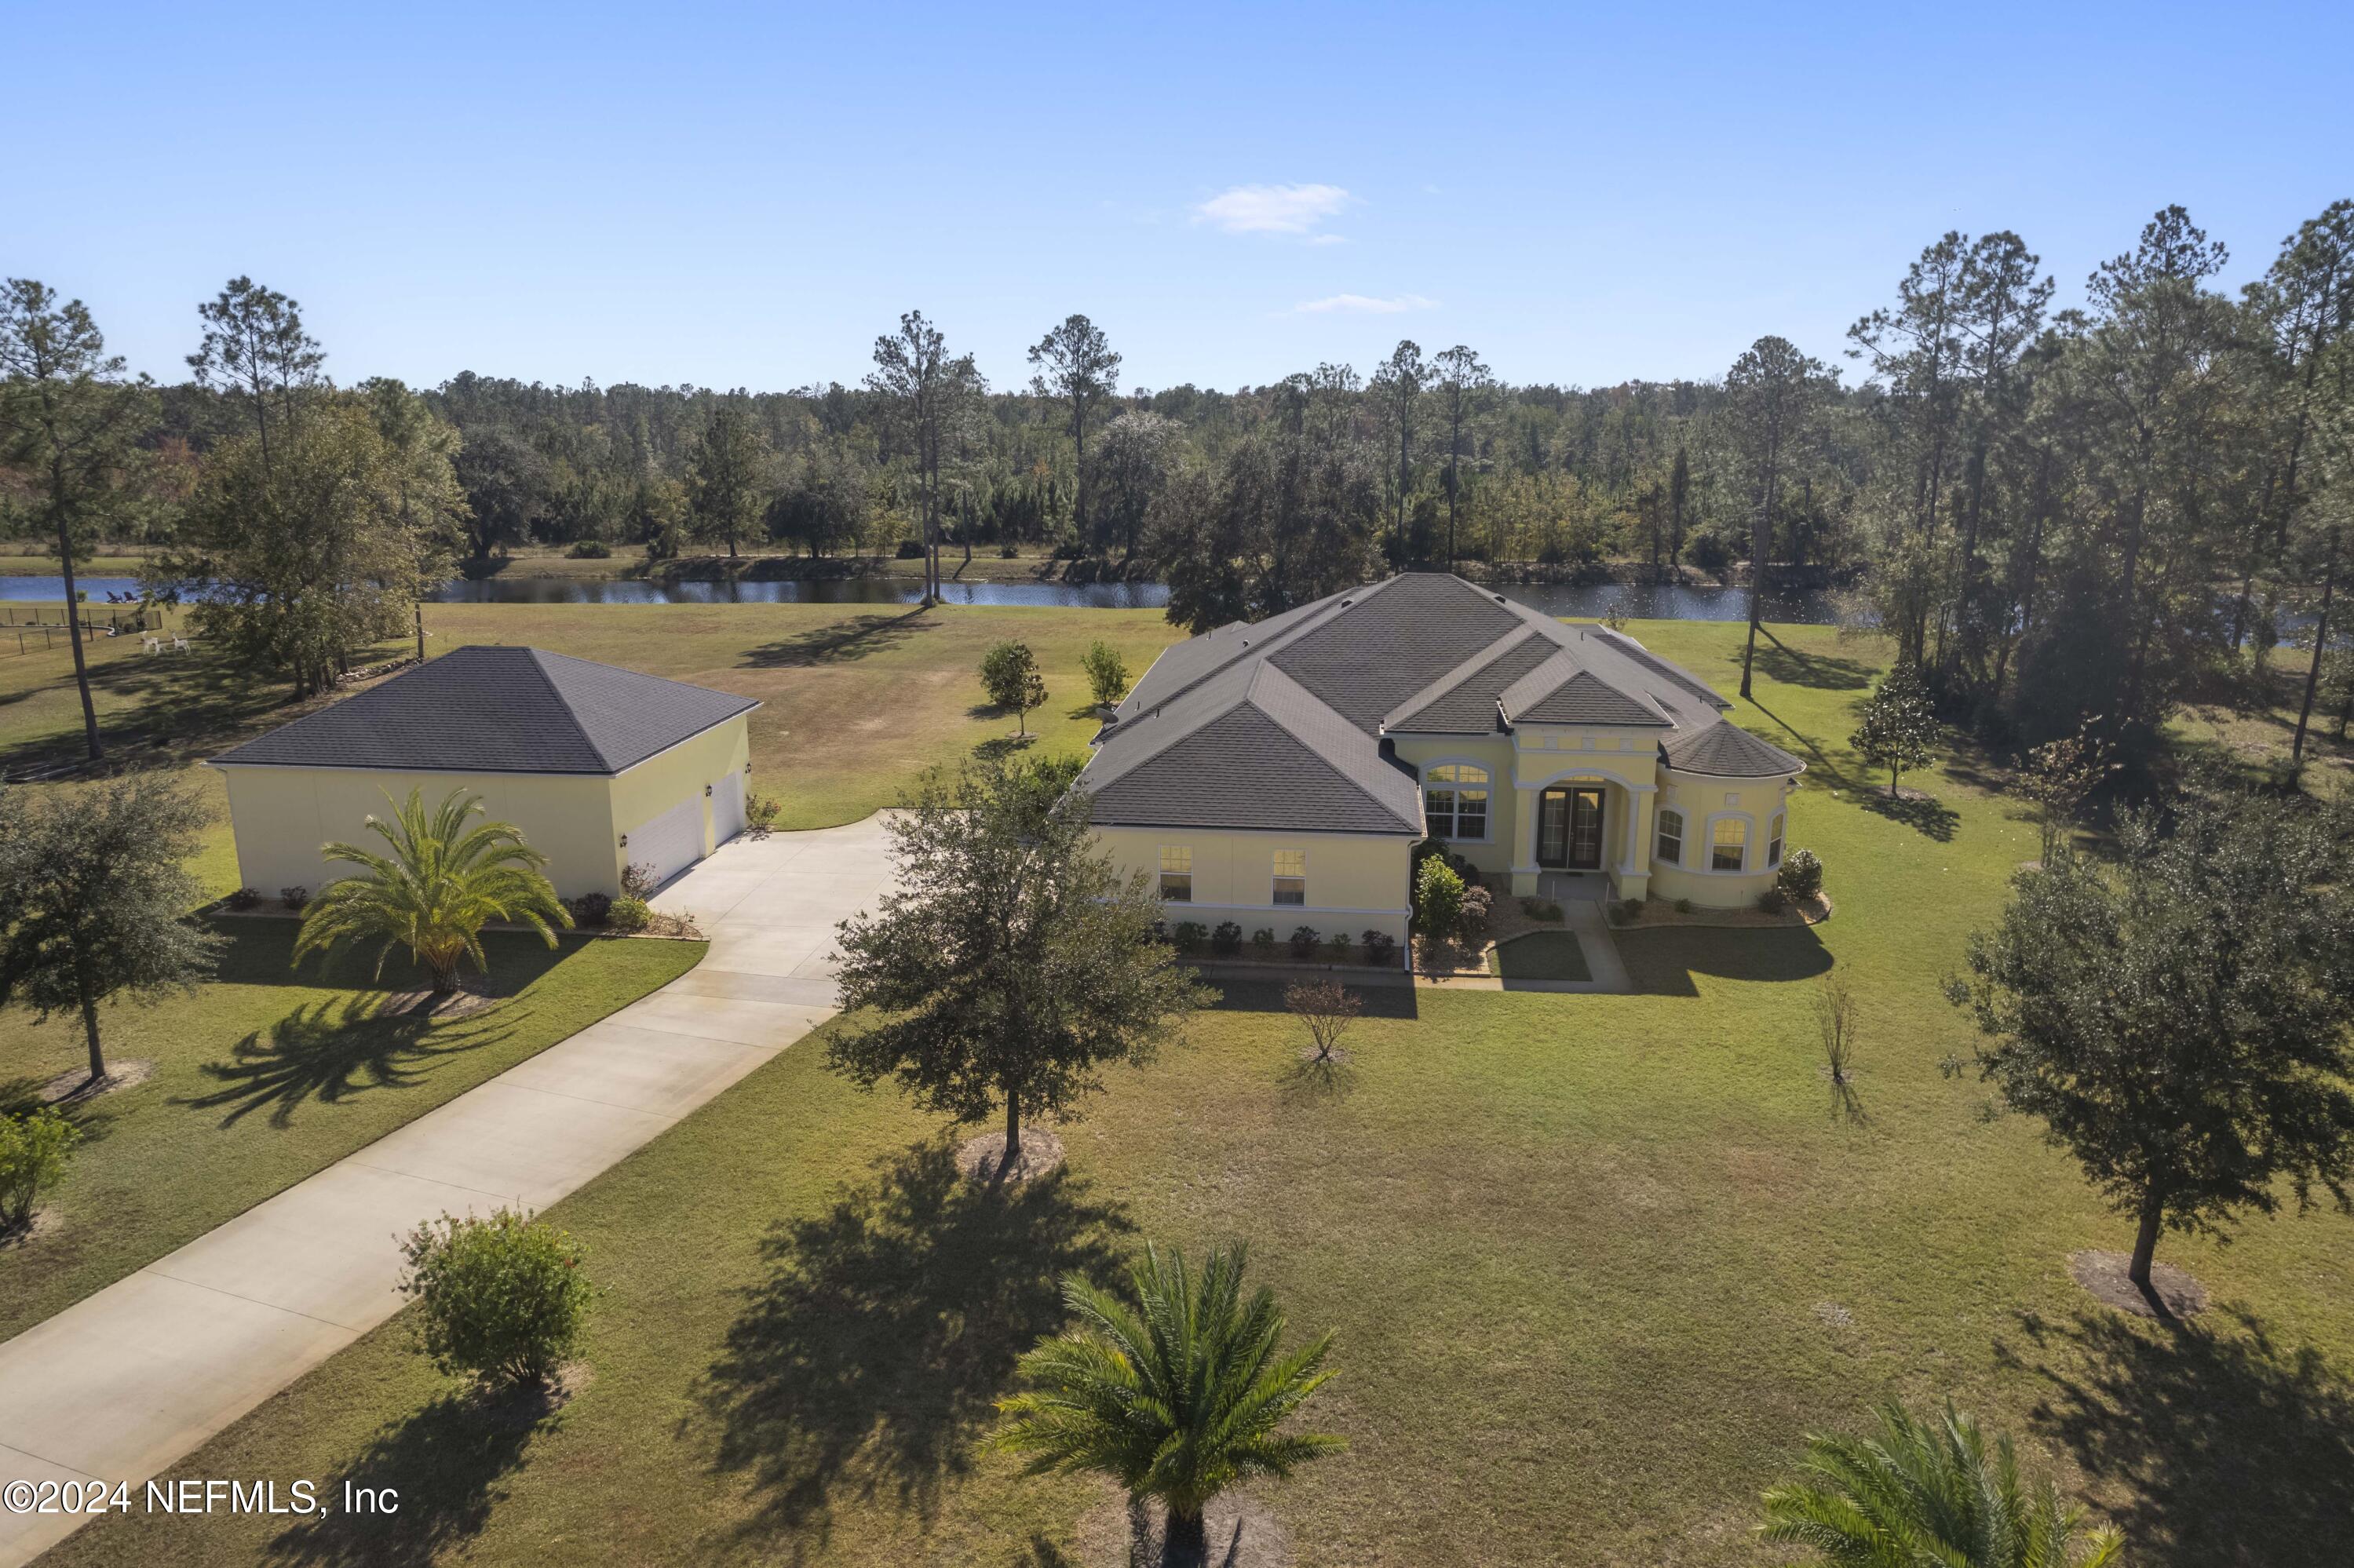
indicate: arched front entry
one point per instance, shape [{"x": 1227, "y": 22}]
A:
[{"x": 1570, "y": 824}]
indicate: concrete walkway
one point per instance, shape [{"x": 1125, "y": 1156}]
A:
[{"x": 122, "y": 1385}]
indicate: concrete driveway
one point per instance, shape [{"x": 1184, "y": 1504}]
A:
[{"x": 120, "y": 1385}]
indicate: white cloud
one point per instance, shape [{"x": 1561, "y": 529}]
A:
[
  {"x": 1365, "y": 305},
  {"x": 1328, "y": 239},
  {"x": 1272, "y": 209}
]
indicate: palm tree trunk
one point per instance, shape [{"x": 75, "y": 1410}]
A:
[{"x": 1186, "y": 1540}]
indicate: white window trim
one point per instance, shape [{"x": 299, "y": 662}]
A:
[
  {"x": 1683, "y": 835},
  {"x": 1777, "y": 836},
  {"x": 1488, "y": 769},
  {"x": 1707, "y": 846}
]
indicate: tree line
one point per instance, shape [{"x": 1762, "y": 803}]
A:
[{"x": 2054, "y": 513}]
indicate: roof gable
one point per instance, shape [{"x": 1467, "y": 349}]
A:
[{"x": 498, "y": 710}]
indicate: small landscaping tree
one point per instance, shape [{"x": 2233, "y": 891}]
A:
[
  {"x": 97, "y": 900},
  {"x": 1174, "y": 1391},
  {"x": 34, "y": 1149},
  {"x": 500, "y": 1299},
  {"x": 1009, "y": 675},
  {"x": 2062, "y": 775},
  {"x": 2181, "y": 1026},
  {"x": 1106, "y": 671},
  {"x": 1438, "y": 899},
  {"x": 443, "y": 881},
  {"x": 1929, "y": 1491},
  {"x": 1012, "y": 960},
  {"x": 1899, "y": 729},
  {"x": 1327, "y": 1007},
  {"x": 1800, "y": 876}
]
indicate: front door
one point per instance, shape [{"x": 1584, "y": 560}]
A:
[
  {"x": 1585, "y": 829},
  {"x": 1552, "y": 828}
]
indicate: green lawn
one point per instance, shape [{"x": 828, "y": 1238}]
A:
[
  {"x": 1541, "y": 955},
  {"x": 856, "y": 700},
  {"x": 264, "y": 1077},
  {"x": 1595, "y": 1264}
]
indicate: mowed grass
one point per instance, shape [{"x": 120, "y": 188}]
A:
[
  {"x": 1541, "y": 955},
  {"x": 856, "y": 700},
  {"x": 1595, "y": 1264},
  {"x": 265, "y": 1075}
]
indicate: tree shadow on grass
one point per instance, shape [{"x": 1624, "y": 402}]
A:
[
  {"x": 1922, "y": 814},
  {"x": 868, "y": 1359},
  {"x": 1383, "y": 1001},
  {"x": 1787, "y": 666},
  {"x": 841, "y": 643},
  {"x": 2219, "y": 1445},
  {"x": 449, "y": 1464},
  {"x": 999, "y": 748},
  {"x": 169, "y": 709},
  {"x": 329, "y": 1053},
  {"x": 1663, "y": 960}
]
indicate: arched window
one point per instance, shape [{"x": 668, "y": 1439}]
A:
[
  {"x": 1671, "y": 838},
  {"x": 1455, "y": 801},
  {"x": 1774, "y": 843},
  {"x": 1728, "y": 844}
]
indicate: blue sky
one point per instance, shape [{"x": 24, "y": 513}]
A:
[{"x": 746, "y": 195}]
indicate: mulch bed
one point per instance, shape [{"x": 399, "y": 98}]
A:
[
  {"x": 76, "y": 1086},
  {"x": 439, "y": 1006},
  {"x": 1243, "y": 1533},
  {"x": 981, "y": 1159},
  {"x": 1659, "y": 912},
  {"x": 508, "y": 1409},
  {"x": 43, "y": 1222},
  {"x": 2103, "y": 1274}
]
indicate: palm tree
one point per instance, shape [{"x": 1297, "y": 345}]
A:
[
  {"x": 433, "y": 894},
  {"x": 1177, "y": 1395},
  {"x": 1928, "y": 1494}
]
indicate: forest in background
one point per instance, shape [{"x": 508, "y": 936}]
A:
[{"x": 2057, "y": 515}]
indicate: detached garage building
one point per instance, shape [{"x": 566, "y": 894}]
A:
[{"x": 599, "y": 767}]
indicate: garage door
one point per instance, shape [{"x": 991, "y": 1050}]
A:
[
  {"x": 726, "y": 807},
  {"x": 671, "y": 843}
]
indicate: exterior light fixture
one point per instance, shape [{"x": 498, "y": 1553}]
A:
[
  {"x": 625, "y": 840},
  {"x": 707, "y": 792}
]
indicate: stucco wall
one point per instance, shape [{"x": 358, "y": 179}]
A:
[
  {"x": 1703, "y": 800},
  {"x": 1494, "y": 753},
  {"x": 1355, "y": 882},
  {"x": 283, "y": 815},
  {"x": 644, "y": 792}
]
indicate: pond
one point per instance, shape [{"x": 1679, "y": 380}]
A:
[{"x": 1663, "y": 602}]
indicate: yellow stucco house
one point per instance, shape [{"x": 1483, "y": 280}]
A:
[
  {"x": 1278, "y": 773},
  {"x": 600, "y": 767}
]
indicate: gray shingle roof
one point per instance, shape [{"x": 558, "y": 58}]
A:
[
  {"x": 1726, "y": 750},
  {"x": 1251, "y": 749},
  {"x": 1280, "y": 724},
  {"x": 499, "y": 710}
]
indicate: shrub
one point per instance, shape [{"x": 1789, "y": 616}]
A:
[
  {"x": 34, "y": 1149},
  {"x": 244, "y": 898},
  {"x": 911, "y": 549},
  {"x": 1227, "y": 940},
  {"x": 295, "y": 897},
  {"x": 1381, "y": 948},
  {"x": 1683, "y": 906},
  {"x": 1263, "y": 942},
  {"x": 629, "y": 913},
  {"x": 638, "y": 881},
  {"x": 1008, "y": 550},
  {"x": 1773, "y": 901},
  {"x": 1438, "y": 899},
  {"x": 589, "y": 910},
  {"x": 1630, "y": 911},
  {"x": 1539, "y": 908},
  {"x": 1339, "y": 949},
  {"x": 1478, "y": 906},
  {"x": 1190, "y": 936},
  {"x": 502, "y": 1300},
  {"x": 1303, "y": 941},
  {"x": 1801, "y": 877},
  {"x": 760, "y": 812},
  {"x": 589, "y": 550}
]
